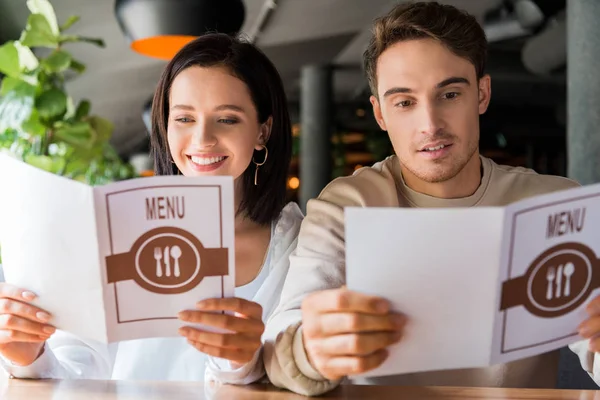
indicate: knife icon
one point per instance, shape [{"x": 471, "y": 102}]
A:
[{"x": 167, "y": 262}]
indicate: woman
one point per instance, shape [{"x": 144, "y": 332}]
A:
[{"x": 219, "y": 109}]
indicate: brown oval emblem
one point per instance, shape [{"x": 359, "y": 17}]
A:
[
  {"x": 167, "y": 260},
  {"x": 558, "y": 281}
]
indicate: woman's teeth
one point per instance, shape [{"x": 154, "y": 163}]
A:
[{"x": 206, "y": 160}]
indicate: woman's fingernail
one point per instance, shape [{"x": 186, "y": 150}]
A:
[
  {"x": 396, "y": 337},
  {"x": 27, "y": 295},
  {"x": 49, "y": 330},
  {"x": 42, "y": 316}
]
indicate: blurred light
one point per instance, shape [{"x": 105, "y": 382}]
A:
[
  {"x": 357, "y": 167},
  {"x": 293, "y": 183},
  {"x": 360, "y": 112},
  {"x": 295, "y": 129},
  {"x": 160, "y": 28}
]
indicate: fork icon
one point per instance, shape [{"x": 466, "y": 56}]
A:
[{"x": 158, "y": 257}]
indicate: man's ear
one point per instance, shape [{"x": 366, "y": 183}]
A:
[
  {"x": 485, "y": 93},
  {"x": 377, "y": 112}
]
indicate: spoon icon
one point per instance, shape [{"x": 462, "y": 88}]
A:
[
  {"x": 176, "y": 253},
  {"x": 569, "y": 270}
]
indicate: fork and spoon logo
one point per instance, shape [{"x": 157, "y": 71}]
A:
[
  {"x": 557, "y": 282},
  {"x": 167, "y": 260},
  {"x": 174, "y": 253},
  {"x": 556, "y": 278}
]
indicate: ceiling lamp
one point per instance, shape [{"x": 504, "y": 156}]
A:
[{"x": 160, "y": 28}]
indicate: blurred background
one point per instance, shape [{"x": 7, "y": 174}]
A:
[{"x": 317, "y": 46}]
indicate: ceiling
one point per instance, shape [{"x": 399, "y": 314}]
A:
[{"x": 299, "y": 32}]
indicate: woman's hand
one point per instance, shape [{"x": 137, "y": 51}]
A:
[
  {"x": 245, "y": 327},
  {"x": 23, "y": 327}
]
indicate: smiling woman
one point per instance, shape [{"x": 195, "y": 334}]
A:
[{"x": 219, "y": 110}]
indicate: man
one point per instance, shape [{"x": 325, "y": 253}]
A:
[{"x": 426, "y": 69}]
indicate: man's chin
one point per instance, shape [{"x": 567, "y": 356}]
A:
[{"x": 436, "y": 174}]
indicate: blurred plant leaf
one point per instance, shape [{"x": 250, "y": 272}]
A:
[
  {"x": 33, "y": 125},
  {"x": 79, "y": 134},
  {"x": 16, "y": 104},
  {"x": 54, "y": 165},
  {"x": 72, "y": 20},
  {"x": 76, "y": 38},
  {"x": 8, "y": 84},
  {"x": 38, "y": 33},
  {"x": 70, "y": 108},
  {"x": 44, "y": 8},
  {"x": 57, "y": 61},
  {"x": 102, "y": 127},
  {"x": 78, "y": 66},
  {"x": 52, "y": 104},
  {"x": 27, "y": 60},
  {"x": 83, "y": 109},
  {"x": 9, "y": 60}
]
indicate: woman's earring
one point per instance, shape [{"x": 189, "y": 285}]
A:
[{"x": 259, "y": 164}]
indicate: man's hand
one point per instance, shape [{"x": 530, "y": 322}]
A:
[{"x": 346, "y": 333}]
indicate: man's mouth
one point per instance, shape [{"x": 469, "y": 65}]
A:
[{"x": 435, "y": 148}]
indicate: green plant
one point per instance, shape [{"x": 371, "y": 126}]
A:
[{"x": 39, "y": 121}]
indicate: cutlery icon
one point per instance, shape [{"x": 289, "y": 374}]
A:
[
  {"x": 167, "y": 262},
  {"x": 176, "y": 253},
  {"x": 158, "y": 257},
  {"x": 559, "y": 281},
  {"x": 550, "y": 275},
  {"x": 569, "y": 270}
]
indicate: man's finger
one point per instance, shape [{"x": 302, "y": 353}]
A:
[
  {"x": 241, "y": 306},
  {"x": 340, "y": 323},
  {"x": 355, "y": 344},
  {"x": 343, "y": 300},
  {"x": 338, "y": 367}
]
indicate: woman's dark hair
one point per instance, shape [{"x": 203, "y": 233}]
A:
[{"x": 261, "y": 203}]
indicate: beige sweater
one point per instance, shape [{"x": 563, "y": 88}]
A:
[{"x": 319, "y": 263}]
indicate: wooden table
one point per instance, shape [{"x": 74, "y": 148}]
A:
[{"x": 17, "y": 389}]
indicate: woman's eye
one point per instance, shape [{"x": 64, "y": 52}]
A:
[
  {"x": 228, "y": 121},
  {"x": 183, "y": 119}
]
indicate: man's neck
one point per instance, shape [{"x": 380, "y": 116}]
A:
[{"x": 464, "y": 184}]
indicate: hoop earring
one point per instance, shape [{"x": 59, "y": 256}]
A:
[{"x": 259, "y": 164}]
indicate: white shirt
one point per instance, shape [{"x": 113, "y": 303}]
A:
[{"x": 66, "y": 356}]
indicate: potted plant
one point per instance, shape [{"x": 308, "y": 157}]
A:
[{"x": 39, "y": 122}]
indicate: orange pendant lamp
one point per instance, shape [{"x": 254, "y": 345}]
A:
[{"x": 160, "y": 28}]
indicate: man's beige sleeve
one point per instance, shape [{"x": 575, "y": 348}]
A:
[{"x": 317, "y": 264}]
